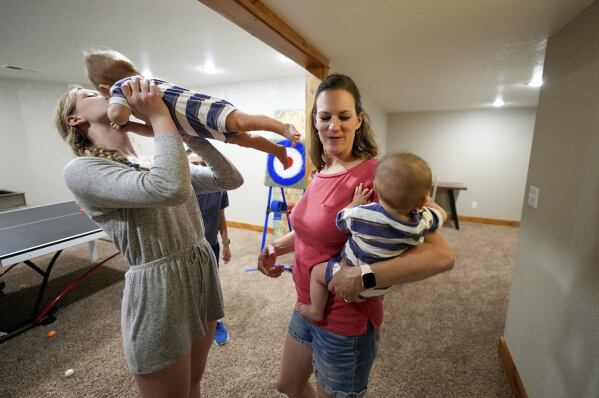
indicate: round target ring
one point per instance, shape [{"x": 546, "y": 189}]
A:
[{"x": 297, "y": 166}]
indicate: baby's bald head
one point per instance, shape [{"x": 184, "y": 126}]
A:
[{"x": 402, "y": 180}]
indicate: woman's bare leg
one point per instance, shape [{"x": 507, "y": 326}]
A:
[
  {"x": 296, "y": 368},
  {"x": 321, "y": 393},
  {"x": 169, "y": 382},
  {"x": 199, "y": 357}
]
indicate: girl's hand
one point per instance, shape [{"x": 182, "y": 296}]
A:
[
  {"x": 144, "y": 99},
  {"x": 361, "y": 196},
  {"x": 147, "y": 105}
]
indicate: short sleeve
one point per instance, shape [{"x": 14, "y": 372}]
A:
[
  {"x": 341, "y": 221},
  {"x": 433, "y": 218},
  {"x": 224, "y": 200},
  {"x": 116, "y": 94}
]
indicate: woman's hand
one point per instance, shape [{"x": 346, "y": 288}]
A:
[
  {"x": 347, "y": 283},
  {"x": 145, "y": 101},
  {"x": 267, "y": 262}
]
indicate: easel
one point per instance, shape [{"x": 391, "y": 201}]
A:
[{"x": 276, "y": 207}]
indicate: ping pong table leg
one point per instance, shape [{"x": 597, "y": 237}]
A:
[
  {"x": 93, "y": 252},
  {"x": 46, "y": 276}
]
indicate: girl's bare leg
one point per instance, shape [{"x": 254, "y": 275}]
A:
[
  {"x": 199, "y": 357},
  {"x": 169, "y": 382}
]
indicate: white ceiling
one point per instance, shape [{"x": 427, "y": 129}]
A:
[
  {"x": 406, "y": 55},
  {"x": 173, "y": 38},
  {"x": 418, "y": 55}
]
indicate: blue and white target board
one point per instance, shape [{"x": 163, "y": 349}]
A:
[{"x": 292, "y": 177}]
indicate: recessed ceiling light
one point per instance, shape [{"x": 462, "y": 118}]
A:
[
  {"x": 146, "y": 72},
  {"x": 537, "y": 81},
  {"x": 209, "y": 68},
  {"x": 498, "y": 103},
  {"x": 537, "y": 77}
]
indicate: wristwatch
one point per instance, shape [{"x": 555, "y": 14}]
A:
[
  {"x": 368, "y": 278},
  {"x": 226, "y": 242}
]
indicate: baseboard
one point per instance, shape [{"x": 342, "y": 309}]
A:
[
  {"x": 510, "y": 369},
  {"x": 248, "y": 227},
  {"x": 492, "y": 221}
]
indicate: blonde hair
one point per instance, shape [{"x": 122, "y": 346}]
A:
[
  {"x": 74, "y": 136},
  {"x": 106, "y": 66},
  {"x": 402, "y": 180},
  {"x": 364, "y": 145}
]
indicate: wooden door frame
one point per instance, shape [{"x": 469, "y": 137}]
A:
[{"x": 259, "y": 21}]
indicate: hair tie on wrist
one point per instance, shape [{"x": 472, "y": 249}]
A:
[{"x": 134, "y": 165}]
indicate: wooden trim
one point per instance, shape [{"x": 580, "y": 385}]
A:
[
  {"x": 249, "y": 227},
  {"x": 492, "y": 221},
  {"x": 259, "y": 21},
  {"x": 312, "y": 83},
  {"x": 511, "y": 372}
]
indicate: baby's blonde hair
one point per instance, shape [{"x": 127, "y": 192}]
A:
[
  {"x": 402, "y": 179},
  {"x": 74, "y": 136},
  {"x": 106, "y": 66}
]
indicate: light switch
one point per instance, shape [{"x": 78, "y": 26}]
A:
[{"x": 533, "y": 196}]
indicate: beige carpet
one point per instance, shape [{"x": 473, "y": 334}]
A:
[{"x": 439, "y": 337}]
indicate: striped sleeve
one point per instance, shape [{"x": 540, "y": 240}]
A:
[
  {"x": 432, "y": 217},
  {"x": 341, "y": 221},
  {"x": 116, "y": 94}
]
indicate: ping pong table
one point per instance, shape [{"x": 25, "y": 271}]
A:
[{"x": 31, "y": 232}]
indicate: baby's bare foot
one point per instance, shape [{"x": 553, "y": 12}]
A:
[
  {"x": 281, "y": 154},
  {"x": 292, "y": 134}
]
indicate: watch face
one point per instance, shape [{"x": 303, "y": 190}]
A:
[{"x": 368, "y": 280}]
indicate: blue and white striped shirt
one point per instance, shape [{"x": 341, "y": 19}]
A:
[
  {"x": 193, "y": 113},
  {"x": 377, "y": 235}
]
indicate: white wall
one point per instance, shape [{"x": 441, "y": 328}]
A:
[
  {"x": 487, "y": 150},
  {"x": 32, "y": 154},
  {"x": 378, "y": 122},
  {"x": 552, "y": 325},
  {"x": 247, "y": 204}
]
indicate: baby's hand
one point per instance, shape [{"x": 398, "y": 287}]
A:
[
  {"x": 116, "y": 126},
  {"x": 361, "y": 196},
  {"x": 292, "y": 134}
]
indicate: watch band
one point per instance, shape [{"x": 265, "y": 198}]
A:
[{"x": 226, "y": 241}]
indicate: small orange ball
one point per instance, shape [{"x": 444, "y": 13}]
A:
[{"x": 52, "y": 333}]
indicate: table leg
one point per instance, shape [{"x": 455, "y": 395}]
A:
[
  {"x": 93, "y": 252},
  {"x": 454, "y": 212}
]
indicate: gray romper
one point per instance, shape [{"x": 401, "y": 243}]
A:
[{"x": 171, "y": 288}]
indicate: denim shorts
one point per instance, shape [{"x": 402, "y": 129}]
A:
[{"x": 341, "y": 363}]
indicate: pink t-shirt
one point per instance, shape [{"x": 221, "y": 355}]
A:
[{"x": 317, "y": 239}]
